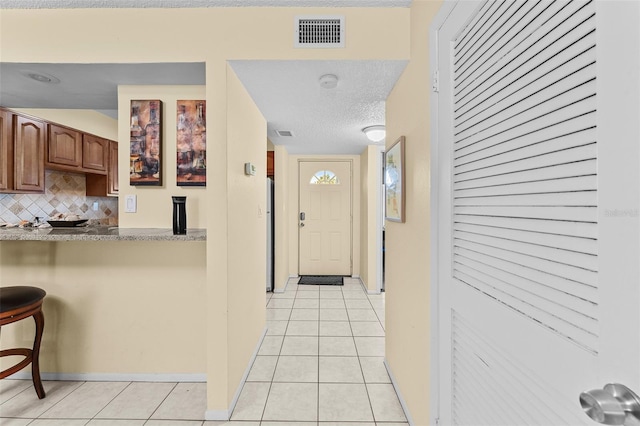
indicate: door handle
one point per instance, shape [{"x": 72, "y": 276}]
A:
[{"x": 615, "y": 404}]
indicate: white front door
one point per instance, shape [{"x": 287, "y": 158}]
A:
[
  {"x": 325, "y": 217},
  {"x": 536, "y": 175}
]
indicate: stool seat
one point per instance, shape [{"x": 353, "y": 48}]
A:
[
  {"x": 18, "y": 297},
  {"x": 17, "y": 303}
]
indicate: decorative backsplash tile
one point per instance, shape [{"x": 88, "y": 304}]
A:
[{"x": 64, "y": 193}]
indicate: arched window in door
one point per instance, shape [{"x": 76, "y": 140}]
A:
[{"x": 324, "y": 177}]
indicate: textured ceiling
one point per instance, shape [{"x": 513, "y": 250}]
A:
[
  {"x": 73, "y": 4},
  {"x": 87, "y": 86},
  {"x": 323, "y": 121}
]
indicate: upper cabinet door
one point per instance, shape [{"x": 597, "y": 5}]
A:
[
  {"x": 6, "y": 151},
  {"x": 95, "y": 153},
  {"x": 113, "y": 168},
  {"x": 29, "y": 154},
  {"x": 65, "y": 146}
]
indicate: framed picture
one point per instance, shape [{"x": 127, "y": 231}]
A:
[
  {"x": 145, "y": 161},
  {"x": 191, "y": 143},
  {"x": 394, "y": 181}
]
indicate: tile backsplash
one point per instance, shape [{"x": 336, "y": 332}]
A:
[{"x": 64, "y": 193}]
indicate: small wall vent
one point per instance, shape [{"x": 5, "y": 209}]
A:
[
  {"x": 284, "y": 133},
  {"x": 319, "y": 32}
]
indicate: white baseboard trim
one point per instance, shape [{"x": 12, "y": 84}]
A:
[
  {"x": 400, "y": 398},
  {"x": 217, "y": 415},
  {"x": 116, "y": 377},
  {"x": 364, "y": 287},
  {"x": 226, "y": 414}
]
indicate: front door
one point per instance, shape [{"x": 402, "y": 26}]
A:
[
  {"x": 325, "y": 217},
  {"x": 538, "y": 281}
]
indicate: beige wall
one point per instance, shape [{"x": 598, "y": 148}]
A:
[
  {"x": 112, "y": 307},
  {"x": 154, "y": 205},
  {"x": 220, "y": 34},
  {"x": 293, "y": 209},
  {"x": 246, "y": 143},
  {"x": 407, "y": 244},
  {"x": 85, "y": 120},
  {"x": 370, "y": 228}
]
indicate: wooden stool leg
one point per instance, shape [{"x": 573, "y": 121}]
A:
[{"x": 35, "y": 360}]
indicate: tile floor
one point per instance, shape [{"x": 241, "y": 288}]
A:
[{"x": 321, "y": 363}]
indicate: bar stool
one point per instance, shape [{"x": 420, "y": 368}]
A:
[{"x": 17, "y": 303}]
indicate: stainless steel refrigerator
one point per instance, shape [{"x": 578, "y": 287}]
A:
[{"x": 270, "y": 242}]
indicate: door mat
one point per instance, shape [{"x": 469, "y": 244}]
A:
[{"x": 321, "y": 280}]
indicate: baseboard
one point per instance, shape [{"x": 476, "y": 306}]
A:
[
  {"x": 364, "y": 287},
  {"x": 115, "y": 377},
  {"x": 226, "y": 414},
  {"x": 407, "y": 414}
]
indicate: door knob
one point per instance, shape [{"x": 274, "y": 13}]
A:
[{"x": 615, "y": 404}]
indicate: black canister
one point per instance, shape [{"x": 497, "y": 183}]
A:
[{"x": 179, "y": 215}]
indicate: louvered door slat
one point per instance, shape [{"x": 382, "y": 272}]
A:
[
  {"x": 515, "y": 151},
  {"x": 579, "y": 230},
  {"x": 564, "y": 156},
  {"x": 564, "y": 305},
  {"x": 560, "y": 32},
  {"x": 529, "y": 121},
  {"x": 578, "y": 176},
  {"x": 575, "y": 73},
  {"x": 579, "y": 245},
  {"x": 578, "y": 259},
  {"x": 480, "y": 361},
  {"x": 573, "y": 199},
  {"x": 581, "y": 291}
]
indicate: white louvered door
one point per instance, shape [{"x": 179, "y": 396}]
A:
[{"x": 538, "y": 194}]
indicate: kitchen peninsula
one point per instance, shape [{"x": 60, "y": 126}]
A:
[{"x": 121, "y": 304}]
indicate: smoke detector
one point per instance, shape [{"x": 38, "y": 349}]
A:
[{"x": 329, "y": 81}]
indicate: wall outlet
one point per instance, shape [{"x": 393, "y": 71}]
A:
[
  {"x": 95, "y": 206},
  {"x": 130, "y": 204}
]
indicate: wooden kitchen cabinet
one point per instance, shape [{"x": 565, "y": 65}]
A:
[
  {"x": 95, "y": 154},
  {"x": 6, "y": 151},
  {"x": 29, "y": 139},
  {"x": 114, "y": 188},
  {"x": 64, "y": 148},
  {"x": 103, "y": 185}
]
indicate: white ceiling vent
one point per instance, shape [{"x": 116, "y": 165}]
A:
[
  {"x": 284, "y": 133},
  {"x": 319, "y": 31}
]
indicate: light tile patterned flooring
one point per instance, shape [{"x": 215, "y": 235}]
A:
[{"x": 321, "y": 363}]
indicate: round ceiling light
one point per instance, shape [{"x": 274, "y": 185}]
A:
[
  {"x": 40, "y": 77},
  {"x": 375, "y": 133},
  {"x": 329, "y": 81}
]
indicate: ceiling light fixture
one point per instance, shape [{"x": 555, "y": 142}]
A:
[
  {"x": 329, "y": 81},
  {"x": 40, "y": 77},
  {"x": 375, "y": 133}
]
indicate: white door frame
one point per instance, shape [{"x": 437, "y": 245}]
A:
[{"x": 434, "y": 367}]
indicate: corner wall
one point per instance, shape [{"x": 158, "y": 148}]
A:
[
  {"x": 370, "y": 169},
  {"x": 407, "y": 282}
]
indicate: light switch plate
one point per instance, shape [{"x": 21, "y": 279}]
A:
[
  {"x": 249, "y": 169},
  {"x": 130, "y": 204}
]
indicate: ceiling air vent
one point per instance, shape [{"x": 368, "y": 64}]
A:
[
  {"x": 319, "y": 31},
  {"x": 284, "y": 133}
]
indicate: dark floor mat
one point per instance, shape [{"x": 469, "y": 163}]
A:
[{"x": 321, "y": 280}]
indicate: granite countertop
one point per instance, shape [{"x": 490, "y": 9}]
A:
[{"x": 99, "y": 233}]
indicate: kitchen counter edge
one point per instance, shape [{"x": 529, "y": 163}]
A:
[{"x": 99, "y": 233}]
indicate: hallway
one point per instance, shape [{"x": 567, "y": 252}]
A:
[
  {"x": 321, "y": 363},
  {"x": 322, "y": 360}
]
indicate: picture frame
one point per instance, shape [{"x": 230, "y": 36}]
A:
[
  {"x": 191, "y": 143},
  {"x": 145, "y": 143},
  {"x": 394, "y": 182}
]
